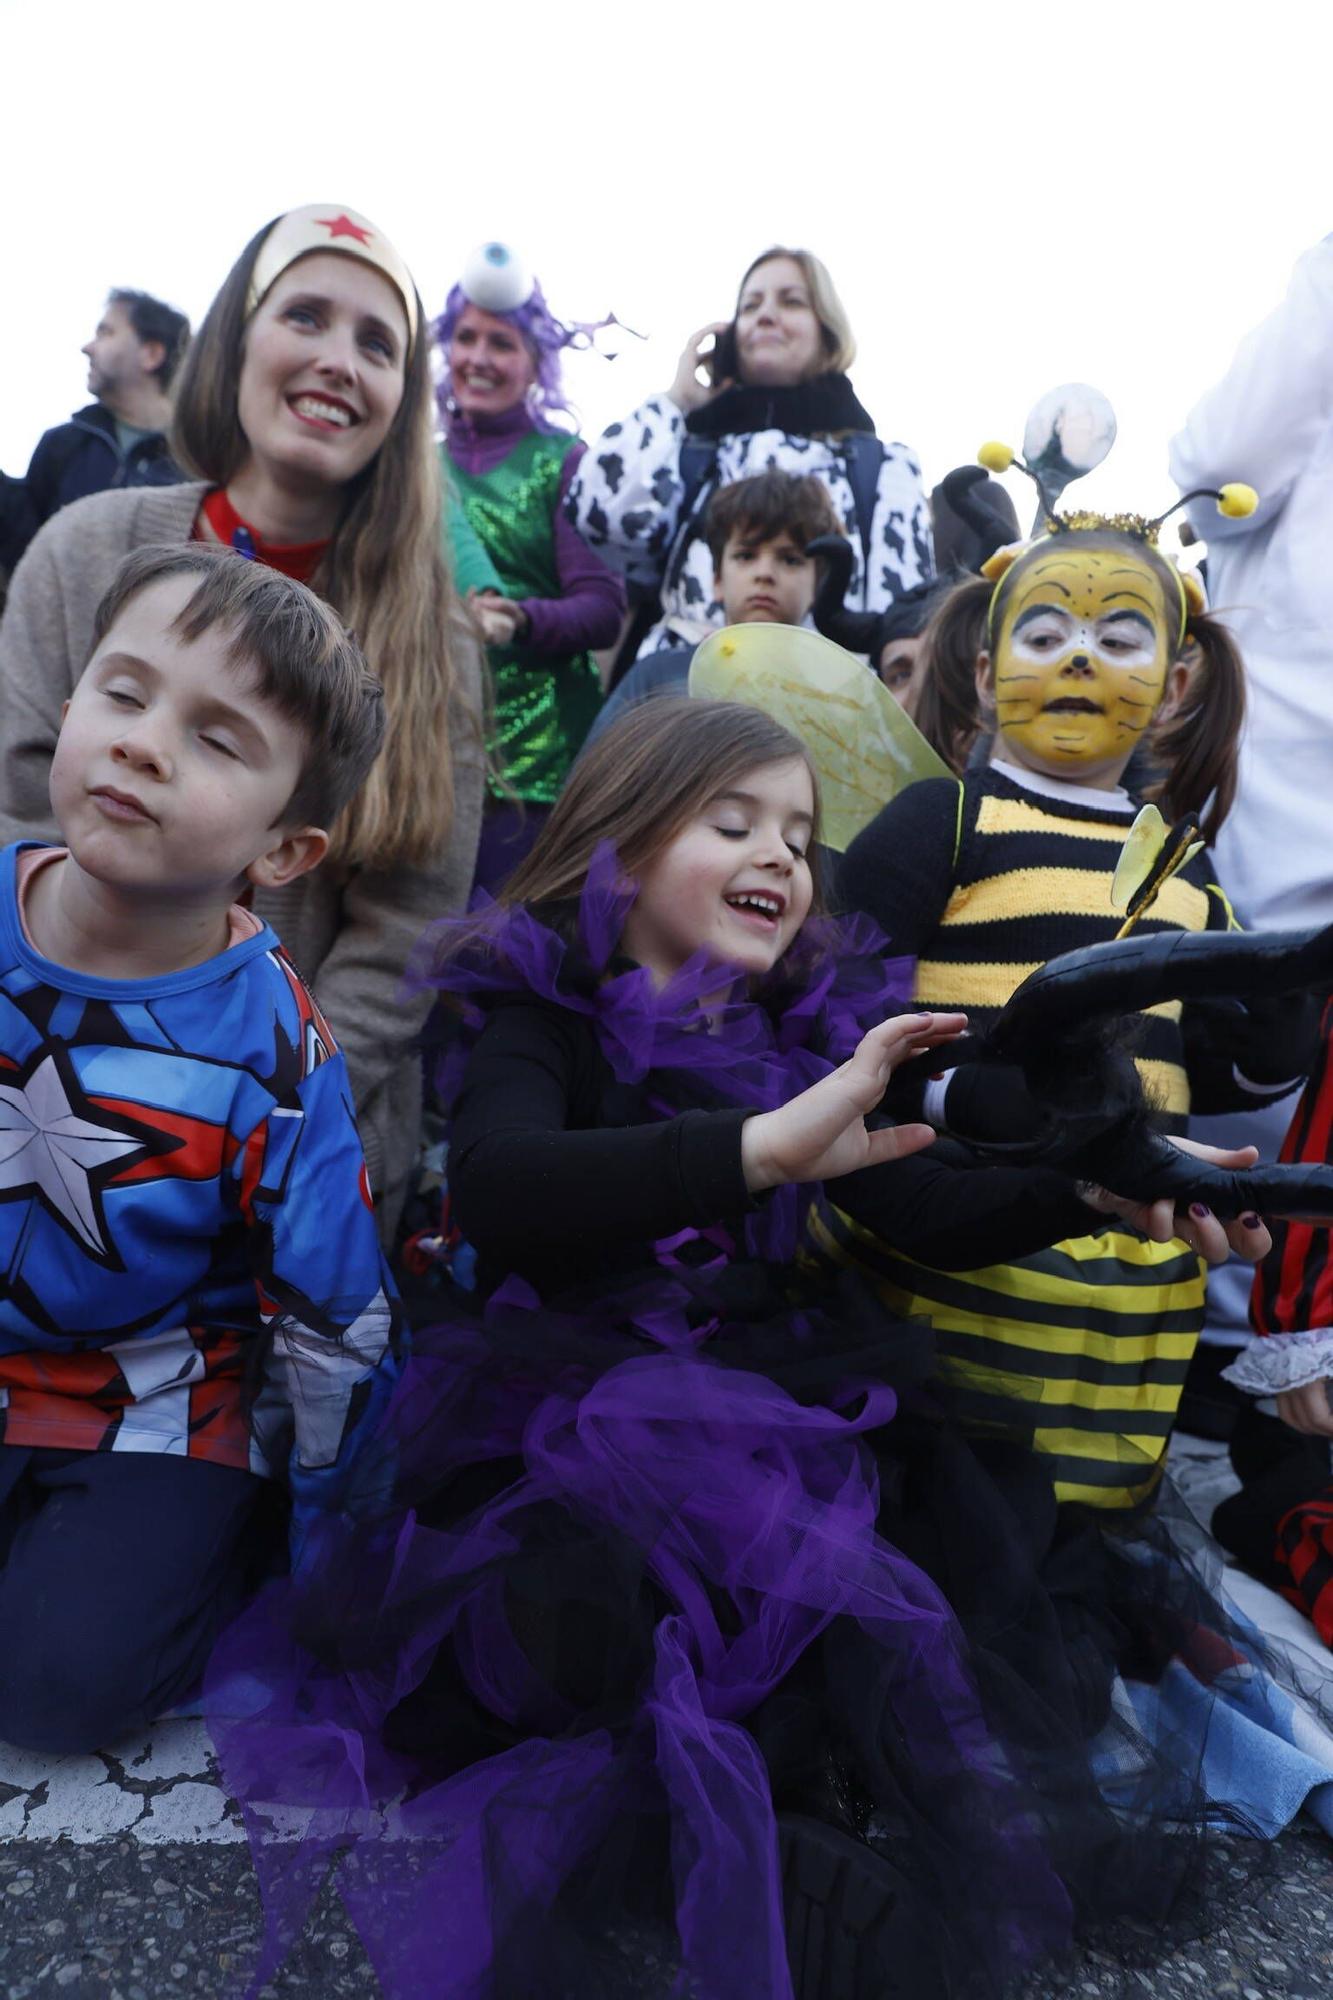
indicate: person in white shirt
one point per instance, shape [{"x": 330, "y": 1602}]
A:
[{"x": 1269, "y": 421}]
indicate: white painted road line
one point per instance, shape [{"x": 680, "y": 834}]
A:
[{"x": 158, "y": 1788}]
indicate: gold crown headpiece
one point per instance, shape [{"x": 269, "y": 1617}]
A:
[
  {"x": 325, "y": 226},
  {"x": 1235, "y": 500}
]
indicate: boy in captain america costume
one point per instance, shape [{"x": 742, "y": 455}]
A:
[{"x": 192, "y": 1289}]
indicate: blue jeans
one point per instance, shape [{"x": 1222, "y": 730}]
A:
[{"x": 117, "y": 1571}]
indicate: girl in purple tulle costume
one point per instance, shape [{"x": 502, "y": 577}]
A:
[{"x": 670, "y": 1606}]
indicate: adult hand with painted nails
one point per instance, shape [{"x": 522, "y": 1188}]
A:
[
  {"x": 822, "y": 1133},
  {"x": 1215, "y": 1241},
  {"x": 687, "y": 392}
]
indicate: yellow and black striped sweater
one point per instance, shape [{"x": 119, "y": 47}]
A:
[
  {"x": 1082, "y": 1349},
  {"x": 981, "y": 882}
]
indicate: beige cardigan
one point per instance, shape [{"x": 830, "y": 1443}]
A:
[{"x": 349, "y": 932}]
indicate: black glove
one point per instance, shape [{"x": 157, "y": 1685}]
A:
[
  {"x": 1269, "y": 1039},
  {"x": 1282, "y": 1037},
  {"x": 987, "y": 1104}
]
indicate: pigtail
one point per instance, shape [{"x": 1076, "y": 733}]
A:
[
  {"x": 949, "y": 708},
  {"x": 1199, "y": 744}
]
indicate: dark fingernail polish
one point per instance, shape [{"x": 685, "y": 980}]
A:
[
  {"x": 1251, "y": 1221},
  {"x": 1198, "y": 1210}
]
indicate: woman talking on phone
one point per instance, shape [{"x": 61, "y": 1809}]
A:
[{"x": 778, "y": 396}]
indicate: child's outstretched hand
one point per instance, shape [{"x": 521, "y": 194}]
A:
[
  {"x": 822, "y": 1133},
  {"x": 1308, "y": 1409}
]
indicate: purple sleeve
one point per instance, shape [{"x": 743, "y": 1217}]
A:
[{"x": 591, "y": 603}]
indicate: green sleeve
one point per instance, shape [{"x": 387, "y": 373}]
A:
[{"x": 472, "y": 567}]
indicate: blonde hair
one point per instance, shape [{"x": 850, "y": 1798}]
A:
[
  {"x": 839, "y": 341},
  {"x": 383, "y": 573}
]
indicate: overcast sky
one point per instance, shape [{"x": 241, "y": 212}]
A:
[{"x": 1008, "y": 198}]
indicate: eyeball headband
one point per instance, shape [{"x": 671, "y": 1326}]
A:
[
  {"x": 325, "y": 226},
  {"x": 1235, "y": 500},
  {"x": 496, "y": 279}
]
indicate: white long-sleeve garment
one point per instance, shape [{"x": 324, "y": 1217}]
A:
[
  {"x": 625, "y": 500},
  {"x": 1269, "y": 421}
]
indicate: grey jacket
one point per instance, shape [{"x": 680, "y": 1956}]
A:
[{"x": 349, "y": 931}]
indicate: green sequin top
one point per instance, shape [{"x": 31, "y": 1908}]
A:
[{"x": 543, "y": 706}]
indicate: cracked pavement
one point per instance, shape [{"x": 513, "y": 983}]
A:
[{"x": 163, "y": 1789}]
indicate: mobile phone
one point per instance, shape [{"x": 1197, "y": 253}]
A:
[{"x": 722, "y": 364}]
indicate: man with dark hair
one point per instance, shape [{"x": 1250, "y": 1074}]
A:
[{"x": 119, "y": 440}]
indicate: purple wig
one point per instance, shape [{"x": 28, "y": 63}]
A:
[{"x": 545, "y": 338}]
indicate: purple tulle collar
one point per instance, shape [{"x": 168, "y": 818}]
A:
[{"x": 725, "y": 1040}]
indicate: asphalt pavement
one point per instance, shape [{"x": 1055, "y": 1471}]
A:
[{"x": 122, "y": 1918}]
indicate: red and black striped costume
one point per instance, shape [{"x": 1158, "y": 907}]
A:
[{"x": 1293, "y": 1295}]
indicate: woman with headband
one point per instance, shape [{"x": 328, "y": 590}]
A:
[
  {"x": 511, "y": 463},
  {"x": 304, "y": 412}
]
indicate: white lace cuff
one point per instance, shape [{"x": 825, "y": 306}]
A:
[{"x": 1281, "y": 1361}]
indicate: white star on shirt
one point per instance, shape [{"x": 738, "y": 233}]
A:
[{"x": 46, "y": 1147}]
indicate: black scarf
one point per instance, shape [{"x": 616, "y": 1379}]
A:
[{"x": 821, "y": 407}]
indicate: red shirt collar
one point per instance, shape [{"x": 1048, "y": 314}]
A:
[{"x": 298, "y": 560}]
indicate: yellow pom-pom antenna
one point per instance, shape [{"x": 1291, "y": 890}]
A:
[
  {"x": 1236, "y": 500},
  {"x": 996, "y": 457}
]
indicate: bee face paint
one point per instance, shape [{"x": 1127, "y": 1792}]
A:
[{"x": 1080, "y": 658}]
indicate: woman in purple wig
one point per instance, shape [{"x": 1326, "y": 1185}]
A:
[{"x": 511, "y": 463}]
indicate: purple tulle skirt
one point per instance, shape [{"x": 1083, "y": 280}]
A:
[{"x": 639, "y": 1596}]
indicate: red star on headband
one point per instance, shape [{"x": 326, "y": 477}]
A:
[{"x": 343, "y": 225}]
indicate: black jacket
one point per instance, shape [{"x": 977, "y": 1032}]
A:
[
  {"x": 563, "y": 1175},
  {"x": 72, "y": 460}
]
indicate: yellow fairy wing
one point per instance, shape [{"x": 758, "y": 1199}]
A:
[
  {"x": 1143, "y": 844},
  {"x": 865, "y": 749},
  {"x": 1147, "y": 863}
]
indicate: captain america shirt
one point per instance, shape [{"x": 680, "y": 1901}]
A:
[{"x": 190, "y": 1258}]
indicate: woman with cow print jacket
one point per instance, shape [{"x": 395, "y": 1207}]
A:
[{"x": 779, "y": 397}]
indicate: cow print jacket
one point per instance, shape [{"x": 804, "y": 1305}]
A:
[{"x": 626, "y": 500}]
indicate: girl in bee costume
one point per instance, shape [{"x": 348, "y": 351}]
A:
[{"x": 1088, "y": 647}]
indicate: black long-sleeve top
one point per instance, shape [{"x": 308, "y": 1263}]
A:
[{"x": 561, "y": 1175}]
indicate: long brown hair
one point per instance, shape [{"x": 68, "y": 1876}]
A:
[
  {"x": 384, "y": 573},
  {"x": 948, "y": 709},
  {"x": 642, "y": 781},
  {"x": 1197, "y": 745}
]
